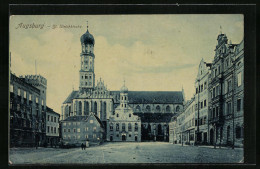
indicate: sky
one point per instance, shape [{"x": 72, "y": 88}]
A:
[{"x": 151, "y": 52}]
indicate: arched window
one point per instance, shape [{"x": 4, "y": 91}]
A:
[
  {"x": 105, "y": 110},
  {"x": 138, "y": 108},
  {"x": 95, "y": 108},
  {"x": 158, "y": 109},
  {"x": 147, "y": 108},
  {"x": 125, "y": 97},
  {"x": 129, "y": 115},
  {"x": 177, "y": 108},
  {"x": 86, "y": 108},
  {"x": 117, "y": 115},
  {"x": 136, "y": 127},
  {"x": 129, "y": 127},
  {"x": 111, "y": 126},
  {"x": 117, "y": 126},
  {"x": 123, "y": 126},
  {"x": 168, "y": 109}
]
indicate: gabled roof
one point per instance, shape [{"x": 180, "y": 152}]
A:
[
  {"x": 159, "y": 97},
  {"x": 76, "y": 118},
  {"x": 72, "y": 95},
  {"x": 96, "y": 117}
]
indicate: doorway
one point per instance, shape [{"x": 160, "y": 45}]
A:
[
  {"x": 211, "y": 136},
  {"x": 123, "y": 138}
]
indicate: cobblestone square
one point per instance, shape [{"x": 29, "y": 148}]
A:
[{"x": 144, "y": 152}]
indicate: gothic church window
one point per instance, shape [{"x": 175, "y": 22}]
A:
[
  {"x": 148, "y": 108},
  {"x": 158, "y": 108},
  {"x": 168, "y": 109}
]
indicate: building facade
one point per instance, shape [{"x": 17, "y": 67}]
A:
[
  {"x": 184, "y": 129},
  {"x": 81, "y": 129},
  {"x": 27, "y": 110},
  {"x": 52, "y": 127},
  {"x": 124, "y": 125},
  {"x": 217, "y": 106},
  {"x": 227, "y": 94},
  {"x": 201, "y": 103}
]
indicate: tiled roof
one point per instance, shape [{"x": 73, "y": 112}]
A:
[
  {"x": 71, "y": 97},
  {"x": 159, "y": 97},
  {"x": 155, "y": 117},
  {"x": 142, "y": 97},
  {"x": 76, "y": 118},
  {"x": 83, "y": 118}
]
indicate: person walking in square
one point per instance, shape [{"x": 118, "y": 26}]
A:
[{"x": 82, "y": 146}]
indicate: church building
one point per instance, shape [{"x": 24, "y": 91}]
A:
[{"x": 154, "y": 108}]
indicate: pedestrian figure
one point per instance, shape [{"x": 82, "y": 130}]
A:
[{"x": 82, "y": 146}]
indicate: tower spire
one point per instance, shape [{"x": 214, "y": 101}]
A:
[
  {"x": 87, "y": 25},
  {"x": 220, "y": 29}
]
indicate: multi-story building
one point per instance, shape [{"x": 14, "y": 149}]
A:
[
  {"x": 185, "y": 124},
  {"x": 226, "y": 93},
  {"x": 155, "y": 108},
  {"x": 201, "y": 102},
  {"x": 27, "y": 110},
  {"x": 52, "y": 127},
  {"x": 79, "y": 129},
  {"x": 124, "y": 125}
]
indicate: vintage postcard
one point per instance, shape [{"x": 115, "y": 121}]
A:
[{"x": 95, "y": 89}]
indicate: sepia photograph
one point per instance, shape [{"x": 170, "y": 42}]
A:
[{"x": 110, "y": 89}]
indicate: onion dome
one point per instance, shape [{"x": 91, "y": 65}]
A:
[{"x": 87, "y": 38}]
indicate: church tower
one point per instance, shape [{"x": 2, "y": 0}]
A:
[
  {"x": 124, "y": 98},
  {"x": 86, "y": 73}
]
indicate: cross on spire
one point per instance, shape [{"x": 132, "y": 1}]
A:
[
  {"x": 220, "y": 29},
  {"x": 124, "y": 81}
]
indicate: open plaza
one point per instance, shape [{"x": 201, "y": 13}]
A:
[{"x": 135, "y": 152}]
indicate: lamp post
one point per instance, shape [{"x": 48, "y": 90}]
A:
[
  {"x": 233, "y": 110},
  {"x": 198, "y": 110}
]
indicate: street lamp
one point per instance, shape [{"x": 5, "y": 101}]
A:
[
  {"x": 233, "y": 91},
  {"x": 198, "y": 110}
]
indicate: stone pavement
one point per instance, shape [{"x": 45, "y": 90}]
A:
[{"x": 124, "y": 152}]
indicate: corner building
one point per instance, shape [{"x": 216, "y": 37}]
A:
[
  {"x": 226, "y": 93},
  {"x": 27, "y": 110}
]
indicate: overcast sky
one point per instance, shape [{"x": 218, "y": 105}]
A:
[{"x": 151, "y": 52}]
